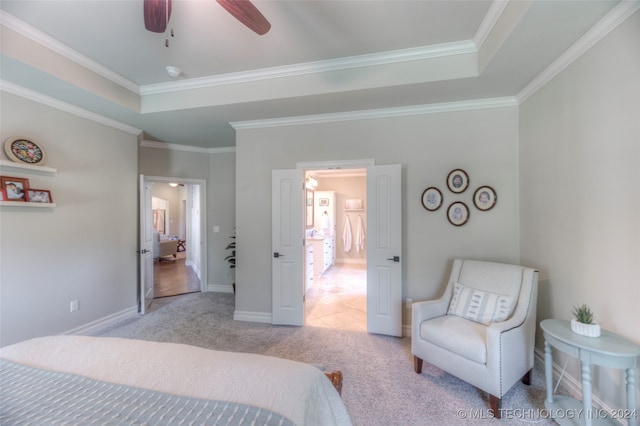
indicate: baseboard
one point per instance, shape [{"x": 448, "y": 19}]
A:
[
  {"x": 105, "y": 322},
  {"x": 220, "y": 288},
  {"x": 262, "y": 317},
  {"x": 574, "y": 386},
  {"x": 406, "y": 330},
  {"x": 195, "y": 268}
]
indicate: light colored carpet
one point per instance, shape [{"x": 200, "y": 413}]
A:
[{"x": 380, "y": 386}]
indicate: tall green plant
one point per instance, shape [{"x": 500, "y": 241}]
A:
[{"x": 231, "y": 258}]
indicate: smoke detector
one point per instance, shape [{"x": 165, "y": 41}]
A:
[{"x": 173, "y": 72}]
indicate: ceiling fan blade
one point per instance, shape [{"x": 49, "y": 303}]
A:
[
  {"x": 156, "y": 15},
  {"x": 245, "y": 12}
]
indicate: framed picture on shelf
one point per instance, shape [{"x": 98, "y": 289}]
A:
[
  {"x": 431, "y": 198},
  {"x": 485, "y": 198},
  {"x": 15, "y": 189},
  {"x": 3, "y": 195},
  {"x": 39, "y": 196},
  {"x": 457, "y": 181},
  {"x": 458, "y": 213}
]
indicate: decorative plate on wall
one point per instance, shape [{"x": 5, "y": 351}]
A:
[
  {"x": 21, "y": 150},
  {"x": 432, "y": 199},
  {"x": 458, "y": 213},
  {"x": 457, "y": 181},
  {"x": 485, "y": 198}
]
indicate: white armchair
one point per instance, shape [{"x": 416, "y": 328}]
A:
[
  {"x": 482, "y": 329},
  {"x": 162, "y": 247}
]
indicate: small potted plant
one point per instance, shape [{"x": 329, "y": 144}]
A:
[{"x": 582, "y": 323}]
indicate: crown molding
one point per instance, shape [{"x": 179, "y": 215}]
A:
[
  {"x": 378, "y": 113},
  {"x": 490, "y": 20},
  {"x": 337, "y": 165},
  {"x": 316, "y": 67},
  {"x": 24, "y": 29},
  {"x": 611, "y": 21},
  {"x": 187, "y": 148},
  {"x": 12, "y": 88}
]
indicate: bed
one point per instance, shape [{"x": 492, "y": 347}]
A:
[{"x": 123, "y": 381}]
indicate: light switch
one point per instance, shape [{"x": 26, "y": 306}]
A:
[{"x": 216, "y": 228}]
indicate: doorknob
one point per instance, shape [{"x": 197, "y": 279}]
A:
[
  {"x": 276, "y": 254},
  {"x": 143, "y": 251},
  {"x": 395, "y": 258}
]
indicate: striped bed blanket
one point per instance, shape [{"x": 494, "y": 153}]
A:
[{"x": 34, "y": 396}]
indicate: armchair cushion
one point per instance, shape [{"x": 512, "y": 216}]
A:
[
  {"x": 480, "y": 306},
  {"x": 457, "y": 335}
]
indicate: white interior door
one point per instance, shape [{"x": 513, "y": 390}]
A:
[
  {"x": 287, "y": 247},
  {"x": 384, "y": 244},
  {"x": 146, "y": 246}
]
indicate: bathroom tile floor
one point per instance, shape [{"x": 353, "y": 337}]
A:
[{"x": 338, "y": 298}]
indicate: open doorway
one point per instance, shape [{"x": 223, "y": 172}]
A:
[
  {"x": 336, "y": 266},
  {"x": 177, "y": 236}
]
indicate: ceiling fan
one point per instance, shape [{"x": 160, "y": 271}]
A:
[{"x": 158, "y": 12}]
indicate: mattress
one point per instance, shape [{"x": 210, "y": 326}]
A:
[{"x": 299, "y": 392}]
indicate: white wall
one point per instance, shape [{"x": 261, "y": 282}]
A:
[
  {"x": 85, "y": 248},
  {"x": 483, "y": 142},
  {"x": 580, "y": 209}
]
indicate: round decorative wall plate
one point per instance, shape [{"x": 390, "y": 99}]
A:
[
  {"x": 457, "y": 181},
  {"x": 431, "y": 199},
  {"x": 21, "y": 150}
]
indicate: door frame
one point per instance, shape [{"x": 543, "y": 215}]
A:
[
  {"x": 145, "y": 249},
  {"x": 203, "y": 219},
  {"x": 337, "y": 165}
]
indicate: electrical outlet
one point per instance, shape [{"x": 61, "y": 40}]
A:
[
  {"x": 74, "y": 305},
  {"x": 408, "y": 303}
]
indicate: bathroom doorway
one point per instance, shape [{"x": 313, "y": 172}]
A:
[{"x": 336, "y": 273}]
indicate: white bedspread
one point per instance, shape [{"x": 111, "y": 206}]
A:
[{"x": 298, "y": 391}]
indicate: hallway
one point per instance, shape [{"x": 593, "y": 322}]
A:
[
  {"x": 172, "y": 277},
  {"x": 338, "y": 298}
]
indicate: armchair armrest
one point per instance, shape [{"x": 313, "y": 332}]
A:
[
  {"x": 422, "y": 311},
  {"x": 507, "y": 337},
  {"x": 522, "y": 314}
]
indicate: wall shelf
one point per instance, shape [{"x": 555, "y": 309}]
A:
[
  {"x": 4, "y": 164},
  {"x": 25, "y": 204}
]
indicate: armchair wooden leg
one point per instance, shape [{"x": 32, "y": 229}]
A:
[
  {"x": 417, "y": 364},
  {"x": 495, "y": 404},
  {"x": 526, "y": 379}
]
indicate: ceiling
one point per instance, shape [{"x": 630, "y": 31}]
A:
[{"x": 320, "y": 57}]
